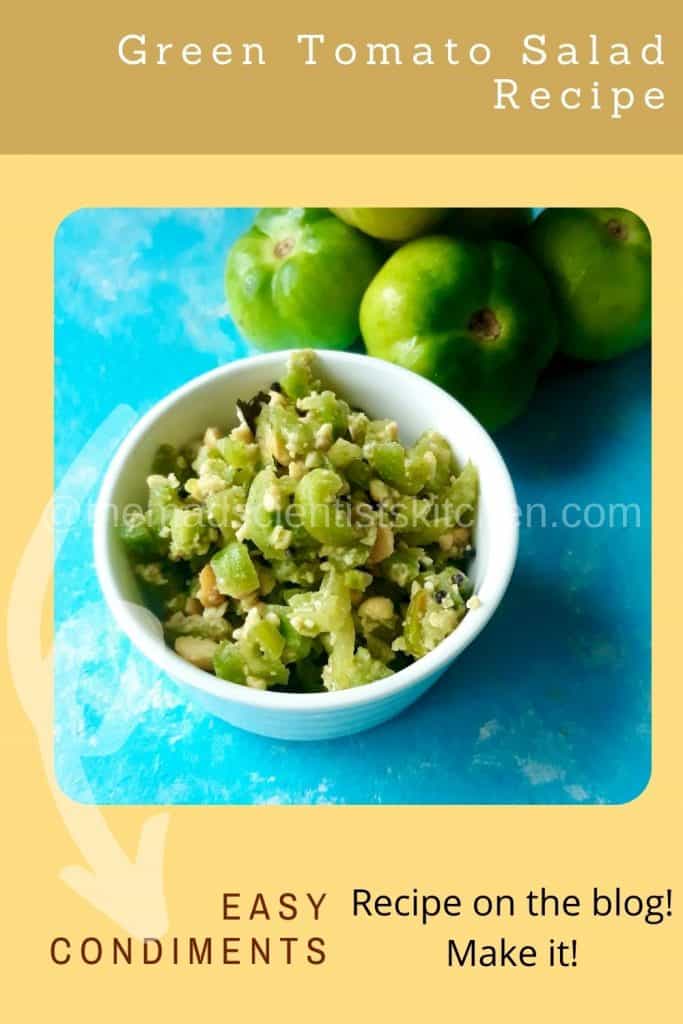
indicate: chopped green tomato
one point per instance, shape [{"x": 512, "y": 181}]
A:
[
  {"x": 238, "y": 454},
  {"x": 325, "y": 519},
  {"x": 409, "y": 512},
  {"x": 298, "y": 379},
  {"x": 263, "y": 519},
  {"x": 190, "y": 533},
  {"x": 463, "y": 493},
  {"x": 367, "y": 669},
  {"x": 255, "y": 658},
  {"x": 359, "y": 473},
  {"x": 305, "y": 549},
  {"x": 324, "y": 610},
  {"x": 347, "y": 668},
  {"x": 388, "y": 459},
  {"x": 163, "y": 500},
  {"x": 435, "y": 450},
  {"x": 302, "y": 574},
  {"x": 378, "y": 431},
  {"x": 437, "y": 605},
  {"x": 357, "y": 580},
  {"x": 180, "y": 624},
  {"x": 454, "y": 509},
  {"x": 338, "y": 671},
  {"x": 282, "y": 435},
  {"x": 346, "y": 558},
  {"x": 213, "y": 473},
  {"x": 296, "y": 645},
  {"x": 344, "y": 452},
  {"x": 323, "y": 409},
  {"x": 234, "y": 570},
  {"x": 429, "y": 463},
  {"x": 220, "y": 463},
  {"x": 225, "y": 510},
  {"x": 228, "y": 664},
  {"x": 403, "y": 566},
  {"x": 261, "y": 645},
  {"x": 140, "y": 539}
]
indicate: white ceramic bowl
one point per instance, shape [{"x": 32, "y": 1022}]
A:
[{"x": 383, "y": 390}]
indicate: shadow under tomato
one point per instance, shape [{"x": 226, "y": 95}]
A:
[{"x": 579, "y": 410}]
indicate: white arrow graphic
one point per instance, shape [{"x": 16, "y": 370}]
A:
[{"x": 129, "y": 892}]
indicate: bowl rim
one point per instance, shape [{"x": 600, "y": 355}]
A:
[{"x": 431, "y": 665}]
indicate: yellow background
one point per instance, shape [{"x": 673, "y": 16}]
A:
[{"x": 375, "y": 970}]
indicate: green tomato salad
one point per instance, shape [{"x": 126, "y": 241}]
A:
[{"x": 306, "y": 549}]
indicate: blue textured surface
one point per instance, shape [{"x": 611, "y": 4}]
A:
[{"x": 550, "y": 705}]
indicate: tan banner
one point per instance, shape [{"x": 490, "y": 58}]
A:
[{"x": 362, "y": 78}]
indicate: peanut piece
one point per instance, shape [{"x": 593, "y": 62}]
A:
[
  {"x": 383, "y": 546},
  {"x": 378, "y": 608},
  {"x": 208, "y": 592},
  {"x": 198, "y": 650}
]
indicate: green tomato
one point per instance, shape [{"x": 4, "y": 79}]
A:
[
  {"x": 598, "y": 264},
  {"x": 480, "y": 224},
  {"x": 295, "y": 279},
  {"x": 476, "y": 318},
  {"x": 391, "y": 223}
]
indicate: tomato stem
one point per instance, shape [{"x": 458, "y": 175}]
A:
[
  {"x": 484, "y": 325},
  {"x": 283, "y": 248},
  {"x": 617, "y": 229}
]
